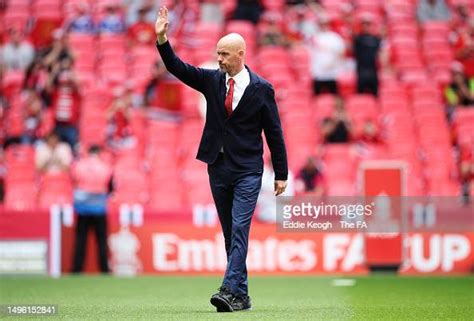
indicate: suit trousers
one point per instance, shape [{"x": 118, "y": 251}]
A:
[{"x": 235, "y": 196}]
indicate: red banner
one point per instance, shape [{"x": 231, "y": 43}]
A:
[{"x": 160, "y": 246}]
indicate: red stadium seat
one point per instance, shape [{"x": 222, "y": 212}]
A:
[
  {"x": 341, "y": 188},
  {"x": 81, "y": 40},
  {"x": 130, "y": 186},
  {"x": 273, "y": 5},
  {"x": 435, "y": 29},
  {"x": 404, "y": 30},
  {"x": 111, "y": 42},
  {"x": 21, "y": 197},
  {"x": 17, "y": 19},
  {"x": 426, "y": 92},
  {"x": 55, "y": 189}
]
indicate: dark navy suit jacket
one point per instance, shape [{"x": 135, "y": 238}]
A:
[{"x": 240, "y": 135}]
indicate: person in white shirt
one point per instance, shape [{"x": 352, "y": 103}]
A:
[
  {"x": 17, "y": 54},
  {"x": 327, "y": 58},
  {"x": 432, "y": 10},
  {"x": 53, "y": 156}
]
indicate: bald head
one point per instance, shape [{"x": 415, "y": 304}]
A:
[
  {"x": 233, "y": 40},
  {"x": 231, "y": 53}
]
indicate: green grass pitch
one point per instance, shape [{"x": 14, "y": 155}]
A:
[{"x": 379, "y": 297}]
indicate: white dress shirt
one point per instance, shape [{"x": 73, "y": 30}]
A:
[{"x": 242, "y": 80}]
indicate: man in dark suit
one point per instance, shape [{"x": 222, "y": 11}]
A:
[{"x": 240, "y": 105}]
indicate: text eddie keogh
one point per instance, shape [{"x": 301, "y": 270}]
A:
[{"x": 306, "y": 215}]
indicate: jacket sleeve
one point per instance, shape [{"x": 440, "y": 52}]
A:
[
  {"x": 274, "y": 135},
  {"x": 192, "y": 76}
]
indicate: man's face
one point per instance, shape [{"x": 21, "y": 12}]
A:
[
  {"x": 15, "y": 36},
  {"x": 229, "y": 58},
  {"x": 53, "y": 141},
  {"x": 366, "y": 25}
]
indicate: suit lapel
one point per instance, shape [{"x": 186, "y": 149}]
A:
[
  {"x": 249, "y": 92},
  {"x": 222, "y": 94}
]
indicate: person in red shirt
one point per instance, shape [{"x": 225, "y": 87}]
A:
[
  {"x": 370, "y": 133},
  {"x": 93, "y": 178},
  {"x": 142, "y": 32},
  {"x": 65, "y": 101},
  {"x": 466, "y": 168},
  {"x": 119, "y": 115},
  {"x": 464, "y": 48}
]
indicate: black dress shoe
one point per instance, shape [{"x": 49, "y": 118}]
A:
[
  {"x": 242, "y": 303},
  {"x": 223, "y": 300}
]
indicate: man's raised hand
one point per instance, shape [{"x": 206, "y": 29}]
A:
[{"x": 161, "y": 25}]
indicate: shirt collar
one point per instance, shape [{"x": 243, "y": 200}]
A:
[{"x": 239, "y": 78}]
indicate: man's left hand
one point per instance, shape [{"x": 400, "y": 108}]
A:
[{"x": 280, "y": 187}]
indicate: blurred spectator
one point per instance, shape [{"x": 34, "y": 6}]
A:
[
  {"x": 36, "y": 77},
  {"x": 65, "y": 101},
  {"x": 3, "y": 172},
  {"x": 53, "y": 156},
  {"x": 3, "y": 108},
  {"x": 461, "y": 89},
  {"x": 58, "y": 51},
  {"x": 311, "y": 178},
  {"x": 370, "y": 133},
  {"x": 92, "y": 177},
  {"x": 119, "y": 131},
  {"x": 327, "y": 56},
  {"x": 466, "y": 169},
  {"x": 134, "y": 6},
  {"x": 211, "y": 12},
  {"x": 266, "y": 201},
  {"x": 249, "y": 10},
  {"x": 17, "y": 53},
  {"x": 272, "y": 31},
  {"x": 464, "y": 47},
  {"x": 159, "y": 73},
  {"x": 82, "y": 22},
  {"x": 31, "y": 115},
  {"x": 432, "y": 10},
  {"x": 302, "y": 27},
  {"x": 366, "y": 48},
  {"x": 34, "y": 74},
  {"x": 337, "y": 129},
  {"x": 113, "y": 21},
  {"x": 142, "y": 32},
  {"x": 461, "y": 16}
]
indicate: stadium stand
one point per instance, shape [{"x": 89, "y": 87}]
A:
[{"x": 413, "y": 118}]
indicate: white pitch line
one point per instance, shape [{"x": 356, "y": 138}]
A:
[{"x": 343, "y": 282}]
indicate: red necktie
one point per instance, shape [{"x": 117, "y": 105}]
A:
[{"x": 230, "y": 97}]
